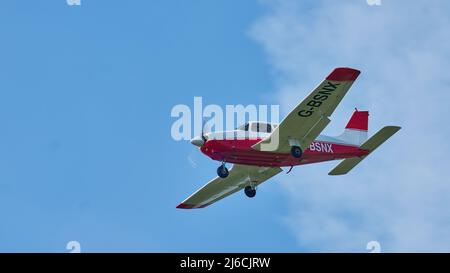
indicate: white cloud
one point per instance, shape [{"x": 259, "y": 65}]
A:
[{"x": 400, "y": 195}]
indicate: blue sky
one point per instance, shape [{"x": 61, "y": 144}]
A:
[
  {"x": 85, "y": 149},
  {"x": 398, "y": 196},
  {"x": 85, "y": 100}
]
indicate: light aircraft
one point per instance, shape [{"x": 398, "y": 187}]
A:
[{"x": 258, "y": 150}]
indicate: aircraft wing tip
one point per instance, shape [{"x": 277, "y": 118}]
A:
[
  {"x": 343, "y": 74},
  {"x": 188, "y": 206}
]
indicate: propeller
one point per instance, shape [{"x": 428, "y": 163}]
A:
[
  {"x": 200, "y": 140},
  {"x": 203, "y": 133}
]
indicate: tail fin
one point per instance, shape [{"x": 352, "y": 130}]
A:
[
  {"x": 370, "y": 145},
  {"x": 356, "y": 130}
]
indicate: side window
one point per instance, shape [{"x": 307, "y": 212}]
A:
[
  {"x": 255, "y": 127},
  {"x": 260, "y": 127},
  {"x": 264, "y": 128}
]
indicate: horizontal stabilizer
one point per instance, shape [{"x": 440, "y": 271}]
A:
[{"x": 371, "y": 144}]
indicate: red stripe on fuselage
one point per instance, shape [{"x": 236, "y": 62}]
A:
[{"x": 241, "y": 152}]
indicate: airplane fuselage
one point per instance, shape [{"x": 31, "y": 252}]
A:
[{"x": 239, "y": 151}]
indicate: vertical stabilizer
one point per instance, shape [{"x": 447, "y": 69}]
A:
[{"x": 355, "y": 132}]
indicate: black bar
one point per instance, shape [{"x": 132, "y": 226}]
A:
[{"x": 223, "y": 262}]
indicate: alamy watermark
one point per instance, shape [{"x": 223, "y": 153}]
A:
[
  {"x": 374, "y": 2},
  {"x": 73, "y": 247},
  {"x": 192, "y": 120},
  {"x": 374, "y": 247},
  {"x": 73, "y": 2}
]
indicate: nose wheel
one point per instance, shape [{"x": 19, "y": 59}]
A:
[
  {"x": 250, "y": 191},
  {"x": 222, "y": 171}
]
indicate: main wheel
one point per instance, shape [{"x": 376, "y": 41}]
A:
[
  {"x": 222, "y": 171},
  {"x": 250, "y": 192},
  {"x": 296, "y": 151}
]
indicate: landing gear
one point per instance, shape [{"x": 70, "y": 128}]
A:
[
  {"x": 222, "y": 171},
  {"x": 250, "y": 191},
  {"x": 296, "y": 151}
]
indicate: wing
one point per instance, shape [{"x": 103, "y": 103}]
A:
[
  {"x": 307, "y": 120},
  {"x": 218, "y": 188}
]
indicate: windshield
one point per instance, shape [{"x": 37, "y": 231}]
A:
[{"x": 243, "y": 127}]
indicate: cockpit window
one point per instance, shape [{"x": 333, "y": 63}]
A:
[
  {"x": 243, "y": 127},
  {"x": 257, "y": 127}
]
